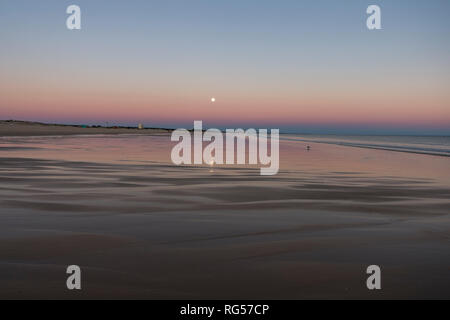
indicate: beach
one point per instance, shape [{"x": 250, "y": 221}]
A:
[
  {"x": 141, "y": 227},
  {"x": 240, "y": 151}
]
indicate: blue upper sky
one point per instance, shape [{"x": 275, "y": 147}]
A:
[{"x": 299, "y": 65}]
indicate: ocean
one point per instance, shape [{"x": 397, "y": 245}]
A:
[{"x": 431, "y": 145}]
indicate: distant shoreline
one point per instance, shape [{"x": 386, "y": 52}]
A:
[{"x": 9, "y": 128}]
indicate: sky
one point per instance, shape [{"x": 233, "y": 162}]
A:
[{"x": 299, "y": 65}]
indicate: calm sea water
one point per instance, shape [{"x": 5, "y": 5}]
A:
[{"x": 432, "y": 145}]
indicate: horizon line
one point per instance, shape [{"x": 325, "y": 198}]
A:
[{"x": 312, "y": 131}]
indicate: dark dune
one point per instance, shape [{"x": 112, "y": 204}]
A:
[{"x": 26, "y": 128}]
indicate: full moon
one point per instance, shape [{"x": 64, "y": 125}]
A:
[{"x": 213, "y": 99}]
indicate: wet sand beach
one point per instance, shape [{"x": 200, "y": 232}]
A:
[{"x": 140, "y": 227}]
